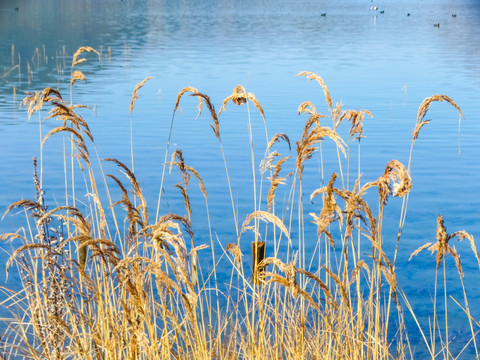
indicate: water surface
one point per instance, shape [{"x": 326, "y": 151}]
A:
[{"x": 384, "y": 62}]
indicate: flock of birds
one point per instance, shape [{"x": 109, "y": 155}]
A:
[{"x": 375, "y": 8}]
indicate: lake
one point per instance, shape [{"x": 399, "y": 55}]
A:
[{"x": 386, "y": 60}]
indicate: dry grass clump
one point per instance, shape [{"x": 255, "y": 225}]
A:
[{"x": 91, "y": 290}]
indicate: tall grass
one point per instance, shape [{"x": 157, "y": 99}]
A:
[{"x": 90, "y": 290}]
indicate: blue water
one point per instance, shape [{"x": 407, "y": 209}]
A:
[{"x": 384, "y": 62}]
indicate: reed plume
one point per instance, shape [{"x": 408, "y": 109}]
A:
[
  {"x": 135, "y": 92},
  {"x": 396, "y": 172},
  {"x": 267, "y": 218},
  {"x": 307, "y": 108},
  {"x": 193, "y": 91},
  {"x": 306, "y": 146},
  {"x": 76, "y": 74},
  {"x": 135, "y": 215},
  {"x": 276, "y": 180},
  {"x": 76, "y": 60},
  {"x": 276, "y": 138},
  {"x": 35, "y": 101},
  {"x": 177, "y": 103},
  {"x": 267, "y": 164},
  {"x": 442, "y": 247},
  {"x": 239, "y": 97},
  {"x": 330, "y": 211},
  {"x": 425, "y": 106},
  {"x": 235, "y": 250},
  {"x": 290, "y": 279},
  {"x": 206, "y": 99},
  {"x": 356, "y": 119},
  {"x": 312, "y": 76}
]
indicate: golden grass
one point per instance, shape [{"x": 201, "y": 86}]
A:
[{"x": 93, "y": 291}]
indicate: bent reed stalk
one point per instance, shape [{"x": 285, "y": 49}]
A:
[{"x": 94, "y": 291}]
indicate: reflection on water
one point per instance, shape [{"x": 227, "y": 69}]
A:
[{"x": 386, "y": 62}]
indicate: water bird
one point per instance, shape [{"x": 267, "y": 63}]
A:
[
  {"x": 374, "y": 8},
  {"x": 454, "y": 15},
  {"x": 408, "y": 14},
  {"x": 437, "y": 25},
  {"x": 382, "y": 12},
  {"x": 323, "y": 14}
]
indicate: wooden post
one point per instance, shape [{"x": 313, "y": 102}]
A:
[{"x": 258, "y": 254}]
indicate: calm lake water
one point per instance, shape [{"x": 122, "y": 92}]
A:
[{"x": 385, "y": 62}]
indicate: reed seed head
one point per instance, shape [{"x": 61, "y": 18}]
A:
[
  {"x": 239, "y": 97},
  {"x": 312, "y": 76},
  {"x": 135, "y": 92}
]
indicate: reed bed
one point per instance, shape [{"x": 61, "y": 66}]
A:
[{"x": 91, "y": 289}]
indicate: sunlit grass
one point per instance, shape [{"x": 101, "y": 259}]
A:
[{"x": 92, "y": 289}]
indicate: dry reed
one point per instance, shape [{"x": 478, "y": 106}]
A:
[{"x": 143, "y": 293}]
